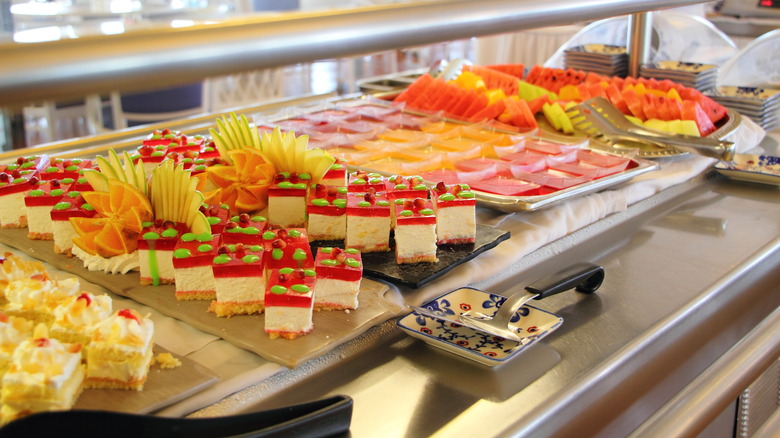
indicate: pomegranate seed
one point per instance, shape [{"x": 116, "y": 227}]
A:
[
  {"x": 284, "y": 278},
  {"x": 169, "y": 224},
  {"x": 408, "y": 204},
  {"x": 282, "y": 233},
  {"x": 243, "y": 218},
  {"x": 223, "y": 250},
  {"x": 419, "y": 203},
  {"x": 441, "y": 187},
  {"x": 54, "y": 183},
  {"x": 370, "y": 197},
  {"x": 33, "y": 180},
  {"x": 230, "y": 225},
  {"x": 279, "y": 243},
  {"x": 299, "y": 274}
]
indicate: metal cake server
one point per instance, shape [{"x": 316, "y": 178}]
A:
[{"x": 584, "y": 277}]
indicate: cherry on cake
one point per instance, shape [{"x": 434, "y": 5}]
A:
[
  {"x": 368, "y": 222},
  {"x": 120, "y": 352},
  {"x": 415, "y": 232},
  {"x": 288, "y": 247},
  {"x": 63, "y": 232},
  {"x": 192, "y": 260},
  {"x": 244, "y": 229},
  {"x": 217, "y": 216},
  {"x": 339, "y": 272},
  {"x": 287, "y": 200},
  {"x": 76, "y": 318},
  {"x": 289, "y": 302},
  {"x": 239, "y": 275},
  {"x": 327, "y": 210},
  {"x": 44, "y": 375},
  {"x": 61, "y": 168},
  {"x": 455, "y": 207},
  {"x": 362, "y": 181},
  {"x": 155, "y": 251}
]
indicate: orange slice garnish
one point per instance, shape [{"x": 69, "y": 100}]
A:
[
  {"x": 244, "y": 184},
  {"x": 121, "y": 213}
]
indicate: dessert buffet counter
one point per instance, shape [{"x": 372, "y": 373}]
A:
[{"x": 689, "y": 272}]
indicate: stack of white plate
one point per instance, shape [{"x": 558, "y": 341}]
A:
[
  {"x": 598, "y": 58},
  {"x": 700, "y": 76},
  {"x": 760, "y": 104}
]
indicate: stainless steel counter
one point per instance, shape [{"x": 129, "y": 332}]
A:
[{"x": 690, "y": 272}]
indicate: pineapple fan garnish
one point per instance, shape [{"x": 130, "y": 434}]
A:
[
  {"x": 112, "y": 168},
  {"x": 254, "y": 159},
  {"x": 175, "y": 198}
]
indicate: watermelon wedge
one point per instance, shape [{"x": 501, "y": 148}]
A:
[
  {"x": 692, "y": 111},
  {"x": 495, "y": 79},
  {"x": 516, "y": 70}
]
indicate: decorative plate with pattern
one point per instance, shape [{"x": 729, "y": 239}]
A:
[{"x": 481, "y": 347}]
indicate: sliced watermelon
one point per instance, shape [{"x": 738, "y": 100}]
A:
[
  {"x": 516, "y": 70},
  {"x": 662, "y": 108},
  {"x": 490, "y": 112},
  {"x": 634, "y": 103},
  {"x": 479, "y": 103},
  {"x": 536, "y": 104},
  {"x": 675, "y": 109},
  {"x": 648, "y": 106},
  {"x": 533, "y": 74},
  {"x": 414, "y": 89},
  {"x": 692, "y": 111},
  {"x": 495, "y": 79},
  {"x": 616, "y": 97}
]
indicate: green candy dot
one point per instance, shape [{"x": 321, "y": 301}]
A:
[
  {"x": 204, "y": 237},
  {"x": 326, "y": 249},
  {"x": 294, "y": 234},
  {"x": 359, "y": 182},
  {"x": 340, "y": 203},
  {"x": 251, "y": 230},
  {"x": 147, "y": 224},
  {"x": 330, "y": 262},
  {"x": 256, "y": 248},
  {"x": 200, "y": 168},
  {"x": 406, "y": 213},
  {"x": 286, "y": 271},
  {"x": 268, "y": 235},
  {"x": 421, "y": 187},
  {"x": 352, "y": 251},
  {"x": 309, "y": 273},
  {"x": 352, "y": 263},
  {"x": 285, "y": 185},
  {"x": 88, "y": 207},
  {"x": 401, "y": 186},
  {"x": 426, "y": 212},
  {"x": 277, "y": 254},
  {"x": 170, "y": 232},
  {"x": 81, "y": 180},
  {"x": 375, "y": 180},
  {"x": 221, "y": 259},
  {"x": 320, "y": 202},
  {"x": 466, "y": 194},
  {"x": 157, "y": 154},
  {"x": 304, "y": 176},
  {"x": 62, "y": 205},
  {"x": 336, "y": 167},
  {"x": 342, "y": 190},
  {"x": 151, "y": 235},
  {"x": 27, "y": 165},
  {"x": 299, "y": 186},
  {"x": 300, "y": 288},
  {"x": 72, "y": 168},
  {"x": 205, "y": 248},
  {"x": 383, "y": 203},
  {"x": 286, "y": 175},
  {"x": 299, "y": 254},
  {"x": 399, "y": 201},
  {"x": 213, "y": 220},
  {"x": 67, "y": 180},
  {"x": 258, "y": 219},
  {"x": 278, "y": 289},
  {"x": 74, "y": 194},
  {"x": 51, "y": 170},
  {"x": 364, "y": 204},
  {"x": 188, "y": 237},
  {"x": 250, "y": 258},
  {"x": 182, "y": 253},
  {"x": 37, "y": 192},
  {"x": 224, "y": 206},
  {"x": 447, "y": 197},
  {"x": 19, "y": 180}
]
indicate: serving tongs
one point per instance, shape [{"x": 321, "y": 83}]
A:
[
  {"x": 583, "y": 277},
  {"x": 599, "y": 116}
]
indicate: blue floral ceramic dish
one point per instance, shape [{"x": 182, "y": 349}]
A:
[{"x": 472, "y": 344}]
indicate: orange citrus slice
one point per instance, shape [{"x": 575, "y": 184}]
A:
[
  {"x": 244, "y": 184},
  {"x": 121, "y": 213}
]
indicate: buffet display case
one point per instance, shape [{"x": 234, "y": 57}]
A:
[{"x": 692, "y": 258}]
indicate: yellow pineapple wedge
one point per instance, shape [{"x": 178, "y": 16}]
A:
[{"x": 175, "y": 198}]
